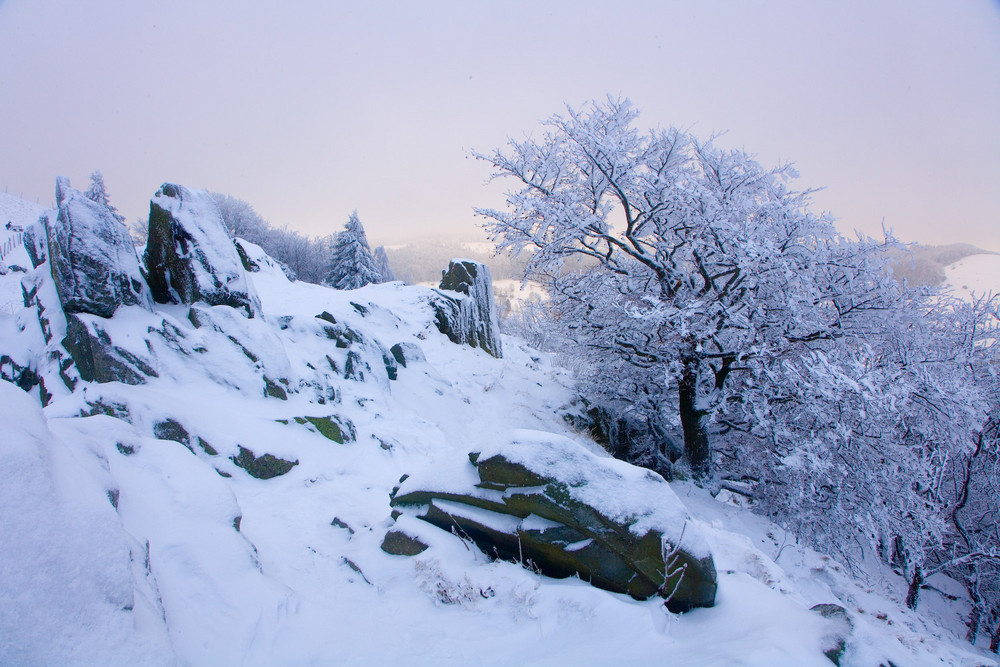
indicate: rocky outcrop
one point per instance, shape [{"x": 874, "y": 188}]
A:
[
  {"x": 35, "y": 243},
  {"x": 407, "y": 353},
  {"x": 92, "y": 256},
  {"x": 366, "y": 359},
  {"x": 465, "y": 309},
  {"x": 97, "y": 358},
  {"x": 543, "y": 500},
  {"x": 626, "y": 437},
  {"x": 189, "y": 255}
]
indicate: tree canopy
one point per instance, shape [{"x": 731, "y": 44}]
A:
[{"x": 702, "y": 260}]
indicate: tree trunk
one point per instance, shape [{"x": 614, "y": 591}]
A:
[
  {"x": 995, "y": 640},
  {"x": 973, "y": 624},
  {"x": 976, "y": 615},
  {"x": 915, "y": 584},
  {"x": 697, "y": 449}
]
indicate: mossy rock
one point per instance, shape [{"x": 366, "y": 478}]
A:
[
  {"x": 332, "y": 427},
  {"x": 398, "y": 543},
  {"x": 274, "y": 390},
  {"x": 262, "y": 467},
  {"x": 97, "y": 359},
  {"x": 539, "y": 502},
  {"x": 248, "y": 264},
  {"x": 208, "y": 449},
  {"x": 171, "y": 429}
]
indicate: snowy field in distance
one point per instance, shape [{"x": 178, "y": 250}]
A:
[{"x": 974, "y": 275}]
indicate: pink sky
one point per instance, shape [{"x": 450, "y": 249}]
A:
[{"x": 311, "y": 109}]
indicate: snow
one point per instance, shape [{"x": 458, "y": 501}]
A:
[
  {"x": 22, "y": 213},
  {"x": 216, "y": 268},
  {"x": 97, "y": 266},
  {"x": 64, "y": 561},
  {"x": 167, "y": 578},
  {"x": 977, "y": 275},
  {"x": 622, "y": 492},
  {"x": 18, "y": 211}
]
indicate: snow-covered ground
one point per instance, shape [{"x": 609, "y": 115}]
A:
[
  {"x": 119, "y": 548},
  {"x": 977, "y": 275}
]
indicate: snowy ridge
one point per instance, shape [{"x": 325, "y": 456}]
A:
[{"x": 132, "y": 535}]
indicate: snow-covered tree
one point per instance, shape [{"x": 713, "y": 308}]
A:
[
  {"x": 352, "y": 264},
  {"x": 701, "y": 261},
  {"x": 97, "y": 192},
  {"x": 854, "y": 445},
  {"x": 241, "y": 219},
  {"x": 382, "y": 264},
  {"x": 305, "y": 258}
]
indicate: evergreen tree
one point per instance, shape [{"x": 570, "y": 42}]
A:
[
  {"x": 352, "y": 263},
  {"x": 382, "y": 263},
  {"x": 98, "y": 193}
]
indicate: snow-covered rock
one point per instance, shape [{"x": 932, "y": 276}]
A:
[
  {"x": 190, "y": 256},
  {"x": 92, "y": 256},
  {"x": 543, "y": 500},
  {"x": 132, "y": 531},
  {"x": 470, "y": 319}
]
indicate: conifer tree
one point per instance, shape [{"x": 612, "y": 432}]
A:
[
  {"x": 352, "y": 263},
  {"x": 97, "y": 192},
  {"x": 382, "y": 263}
]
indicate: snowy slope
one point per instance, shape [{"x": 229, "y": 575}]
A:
[
  {"x": 977, "y": 275},
  {"x": 22, "y": 213},
  {"x": 18, "y": 211},
  {"x": 129, "y": 549}
]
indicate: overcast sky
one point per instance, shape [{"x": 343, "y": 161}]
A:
[{"x": 309, "y": 109}]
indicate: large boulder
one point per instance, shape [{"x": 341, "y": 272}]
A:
[
  {"x": 545, "y": 501},
  {"x": 97, "y": 358},
  {"x": 92, "y": 256},
  {"x": 190, "y": 256},
  {"x": 465, "y": 309}
]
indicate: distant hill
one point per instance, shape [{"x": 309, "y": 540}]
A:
[
  {"x": 974, "y": 275},
  {"x": 927, "y": 265},
  {"x": 423, "y": 262}
]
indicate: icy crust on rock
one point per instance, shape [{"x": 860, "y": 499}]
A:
[
  {"x": 190, "y": 256},
  {"x": 470, "y": 319},
  {"x": 620, "y": 491},
  {"x": 92, "y": 256}
]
